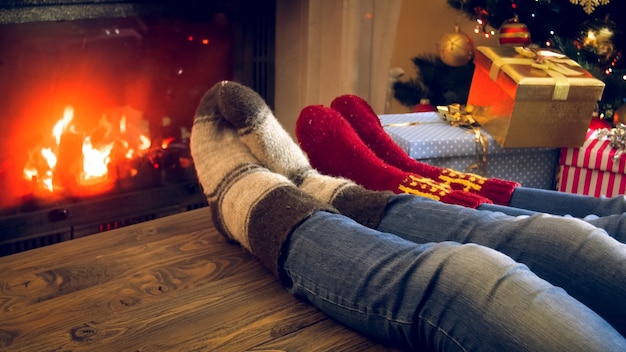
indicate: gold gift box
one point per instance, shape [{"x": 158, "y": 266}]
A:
[{"x": 532, "y": 97}]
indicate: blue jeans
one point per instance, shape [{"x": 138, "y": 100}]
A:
[
  {"x": 562, "y": 203},
  {"x": 606, "y": 213},
  {"x": 528, "y": 283}
]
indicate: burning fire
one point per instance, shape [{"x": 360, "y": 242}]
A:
[{"x": 75, "y": 158}]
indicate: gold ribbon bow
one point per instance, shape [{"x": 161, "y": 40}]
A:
[
  {"x": 555, "y": 64},
  {"x": 461, "y": 116}
]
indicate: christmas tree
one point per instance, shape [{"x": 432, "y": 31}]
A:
[{"x": 588, "y": 31}]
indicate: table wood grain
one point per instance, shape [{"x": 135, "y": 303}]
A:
[{"x": 171, "y": 284}]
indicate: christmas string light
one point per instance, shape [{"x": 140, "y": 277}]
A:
[{"x": 482, "y": 20}]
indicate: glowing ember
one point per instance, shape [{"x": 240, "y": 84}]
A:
[
  {"x": 77, "y": 159},
  {"x": 166, "y": 142}
]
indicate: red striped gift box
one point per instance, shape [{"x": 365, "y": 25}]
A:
[{"x": 591, "y": 170}]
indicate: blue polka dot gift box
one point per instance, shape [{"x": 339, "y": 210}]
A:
[{"x": 426, "y": 137}]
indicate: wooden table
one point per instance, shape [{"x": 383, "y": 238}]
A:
[{"x": 171, "y": 284}]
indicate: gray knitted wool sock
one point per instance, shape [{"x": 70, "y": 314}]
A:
[
  {"x": 249, "y": 204},
  {"x": 273, "y": 146}
]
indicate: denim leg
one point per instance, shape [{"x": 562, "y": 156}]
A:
[
  {"x": 440, "y": 296},
  {"x": 614, "y": 225},
  {"x": 561, "y": 203},
  {"x": 567, "y": 252},
  {"x": 508, "y": 210}
]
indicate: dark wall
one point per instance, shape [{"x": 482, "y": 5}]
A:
[{"x": 254, "y": 26}]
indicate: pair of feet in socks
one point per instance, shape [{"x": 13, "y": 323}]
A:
[{"x": 348, "y": 140}]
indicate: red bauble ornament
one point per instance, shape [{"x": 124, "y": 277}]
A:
[
  {"x": 619, "y": 115},
  {"x": 598, "y": 124},
  {"x": 423, "y": 106},
  {"x": 513, "y": 32}
]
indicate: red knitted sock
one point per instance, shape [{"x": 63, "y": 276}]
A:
[
  {"x": 335, "y": 149},
  {"x": 368, "y": 127}
]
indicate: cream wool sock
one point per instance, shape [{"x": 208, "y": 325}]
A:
[
  {"x": 249, "y": 204},
  {"x": 273, "y": 146}
]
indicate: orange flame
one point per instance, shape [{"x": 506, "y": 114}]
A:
[
  {"x": 95, "y": 160},
  {"x": 63, "y": 124},
  {"x": 43, "y": 168}
]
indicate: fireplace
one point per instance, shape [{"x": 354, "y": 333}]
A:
[{"x": 97, "y": 103}]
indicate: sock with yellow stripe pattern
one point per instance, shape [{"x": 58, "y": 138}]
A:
[
  {"x": 367, "y": 125},
  {"x": 335, "y": 149}
]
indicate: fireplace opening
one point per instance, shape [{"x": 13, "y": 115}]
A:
[{"x": 97, "y": 103}]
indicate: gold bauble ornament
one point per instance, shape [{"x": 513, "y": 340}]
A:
[{"x": 456, "y": 48}]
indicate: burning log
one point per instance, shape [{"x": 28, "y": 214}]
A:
[{"x": 69, "y": 164}]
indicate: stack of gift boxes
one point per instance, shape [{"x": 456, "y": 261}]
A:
[
  {"x": 533, "y": 109},
  {"x": 428, "y": 138},
  {"x": 595, "y": 169}
]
